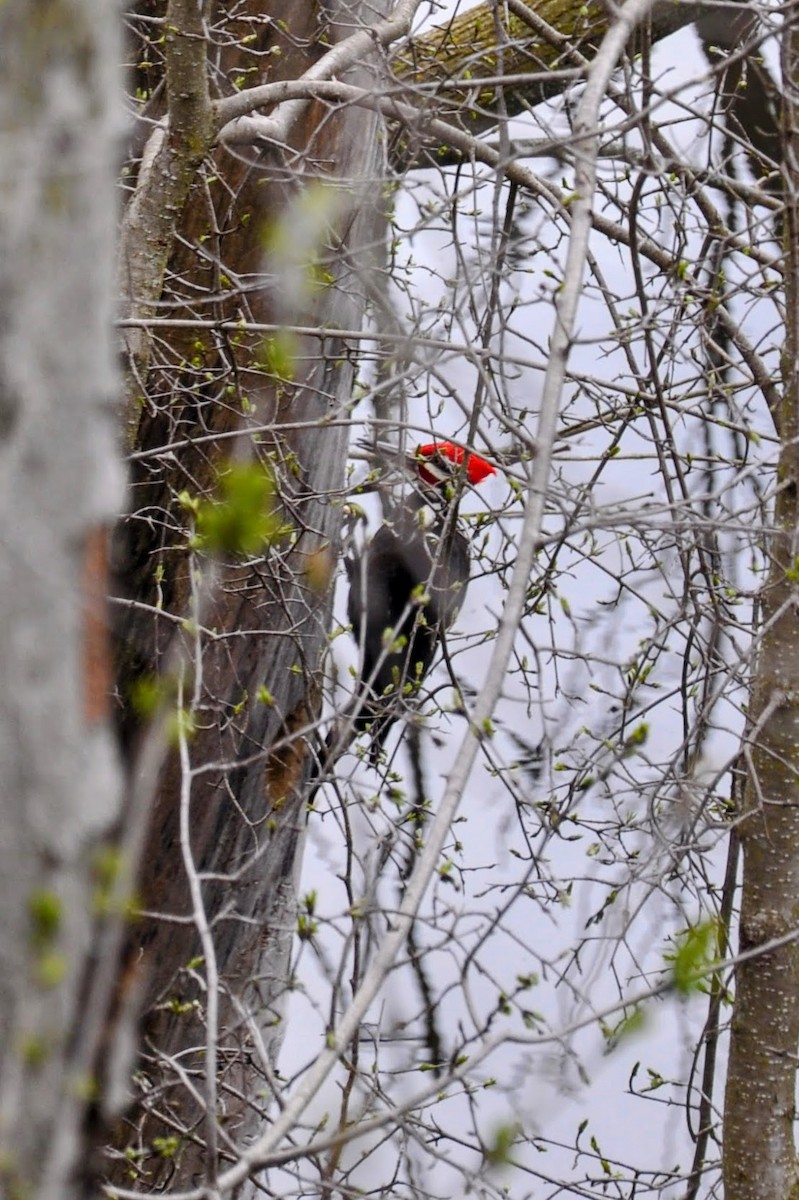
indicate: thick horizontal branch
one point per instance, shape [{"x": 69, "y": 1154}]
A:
[
  {"x": 463, "y": 56},
  {"x": 488, "y": 59}
]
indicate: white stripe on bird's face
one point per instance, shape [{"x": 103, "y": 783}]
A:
[{"x": 434, "y": 471}]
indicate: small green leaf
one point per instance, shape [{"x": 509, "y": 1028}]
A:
[
  {"x": 168, "y": 1146},
  {"x": 637, "y": 738},
  {"x": 51, "y": 967},
  {"x": 497, "y": 1152},
  {"x": 148, "y": 693},
  {"x": 695, "y": 951},
  {"x": 242, "y": 517},
  {"x": 181, "y": 725},
  {"x": 45, "y": 910},
  {"x": 306, "y": 927},
  {"x": 278, "y": 355}
]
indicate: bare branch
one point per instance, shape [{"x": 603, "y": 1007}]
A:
[{"x": 175, "y": 149}]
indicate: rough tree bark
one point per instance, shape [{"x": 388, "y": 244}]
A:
[
  {"x": 760, "y": 1103},
  {"x": 265, "y": 624},
  {"x": 539, "y": 48},
  {"x": 60, "y": 486}
]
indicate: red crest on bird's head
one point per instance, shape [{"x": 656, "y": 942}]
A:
[{"x": 477, "y": 468}]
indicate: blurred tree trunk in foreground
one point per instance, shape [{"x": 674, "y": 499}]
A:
[{"x": 61, "y": 485}]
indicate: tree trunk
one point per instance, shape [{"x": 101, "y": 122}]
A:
[
  {"x": 759, "y": 1152},
  {"x": 297, "y": 230},
  {"x": 61, "y": 483}
]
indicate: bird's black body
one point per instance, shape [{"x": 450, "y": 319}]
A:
[
  {"x": 411, "y": 579},
  {"x": 407, "y": 586}
]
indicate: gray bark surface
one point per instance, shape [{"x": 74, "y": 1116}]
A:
[{"x": 60, "y": 485}]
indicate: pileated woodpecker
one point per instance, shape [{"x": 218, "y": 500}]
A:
[{"x": 409, "y": 583}]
